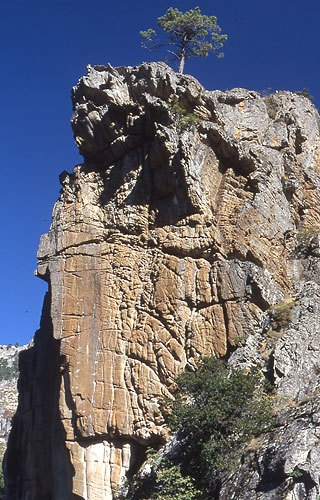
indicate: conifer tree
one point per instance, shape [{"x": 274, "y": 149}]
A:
[{"x": 189, "y": 34}]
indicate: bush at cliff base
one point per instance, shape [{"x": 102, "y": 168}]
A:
[
  {"x": 215, "y": 411},
  {"x": 170, "y": 483}
]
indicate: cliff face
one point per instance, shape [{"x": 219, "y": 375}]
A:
[{"x": 192, "y": 222}]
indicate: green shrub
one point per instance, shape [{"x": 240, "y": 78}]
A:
[
  {"x": 164, "y": 481},
  {"x": 215, "y": 411},
  {"x": 185, "y": 120},
  {"x": 170, "y": 483},
  {"x": 189, "y": 121},
  {"x": 295, "y": 473}
]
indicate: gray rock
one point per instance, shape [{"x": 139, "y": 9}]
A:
[{"x": 191, "y": 229}]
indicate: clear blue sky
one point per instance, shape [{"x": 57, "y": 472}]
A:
[{"x": 45, "y": 47}]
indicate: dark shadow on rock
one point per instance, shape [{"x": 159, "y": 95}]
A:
[
  {"x": 158, "y": 183},
  {"x": 272, "y": 471},
  {"x": 37, "y": 463}
]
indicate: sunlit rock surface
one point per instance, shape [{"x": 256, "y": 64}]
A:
[
  {"x": 193, "y": 215},
  {"x": 9, "y": 360}
]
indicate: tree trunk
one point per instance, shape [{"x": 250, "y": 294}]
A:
[
  {"x": 181, "y": 65},
  {"x": 182, "y": 59}
]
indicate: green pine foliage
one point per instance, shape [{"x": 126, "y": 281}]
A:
[{"x": 188, "y": 34}]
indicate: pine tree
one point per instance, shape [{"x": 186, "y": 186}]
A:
[{"x": 189, "y": 34}]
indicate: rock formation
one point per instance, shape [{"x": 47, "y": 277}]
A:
[{"x": 192, "y": 228}]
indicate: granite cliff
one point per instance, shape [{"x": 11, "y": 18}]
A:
[{"x": 192, "y": 228}]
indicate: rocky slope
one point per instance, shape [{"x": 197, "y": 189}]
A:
[
  {"x": 9, "y": 355},
  {"x": 192, "y": 228}
]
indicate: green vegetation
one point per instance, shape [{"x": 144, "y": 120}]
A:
[
  {"x": 215, "y": 411},
  {"x": 189, "y": 34},
  {"x": 170, "y": 483},
  {"x": 295, "y": 473},
  {"x": 9, "y": 371},
  {"x": 239, "y": 340},
  {"x": 164, "y": 481},
  {"x": 185, "y": 120}
]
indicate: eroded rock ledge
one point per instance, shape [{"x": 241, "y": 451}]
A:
[{"x": 193, "y": 214}]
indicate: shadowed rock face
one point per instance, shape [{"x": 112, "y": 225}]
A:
[{"x": 193, "y": 214}]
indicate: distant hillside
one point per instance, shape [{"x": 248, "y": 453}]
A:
[
  {"x": 9, "y": 359},
  {"x": 9, "y": 373}
]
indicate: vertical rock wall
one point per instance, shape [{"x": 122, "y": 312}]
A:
[{"x": 172, "y": 241}]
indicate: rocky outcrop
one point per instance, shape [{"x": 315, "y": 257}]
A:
[
  {"x": 285, "y": 462},
  {"x": 191, "y": 228}
]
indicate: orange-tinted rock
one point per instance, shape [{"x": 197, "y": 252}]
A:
[{"x": 168, "y": 244}]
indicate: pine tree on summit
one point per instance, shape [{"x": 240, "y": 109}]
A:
[{"x": 189, "y": 34}]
